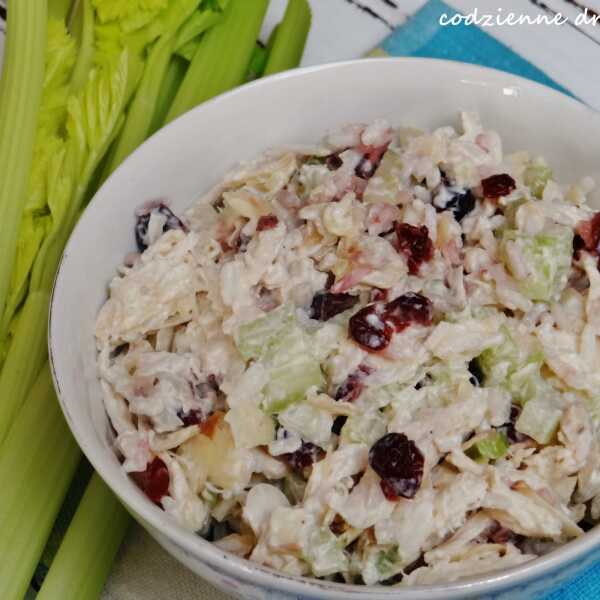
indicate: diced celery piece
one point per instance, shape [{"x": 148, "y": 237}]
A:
[
  {"x": 499, "y": 361},
  {"x": 515, "y": 368},
  {"x": 527, "y": 382},
  {"x": 256, "y": 337},
  {"x": 539, "y": 419},
  {"x": 307, "y": 421},
  {"x": 289, "y": 382},
  {"x": 385, "y": 183},
  {"x": 380, "y": 563},
  {"x": 284, "y": 348},
  {"x": 546, "y": 257},
  {"x": 536, "y": 177},
  {"x": 364, "y": 429},
  {"x": 387, "y": 562},
  {"x": 491, "y": 447},
  {"x": 324, "y": 553}
]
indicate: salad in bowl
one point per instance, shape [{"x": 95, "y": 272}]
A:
[{"x": 373, "y": 360}]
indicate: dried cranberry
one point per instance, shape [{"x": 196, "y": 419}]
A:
[
  {"x": 338, "y": 525},
  {"x": 326, "y": 305},
  {"x": 267, "y": 222},
  {"x": 445, "y": 179},
  {"x": 588, "y": 233},
  {"x": 351, "y": 388},
  {"x": 193, "y": 417},
  {"x": 578, "y": 245},
  {"x": 417, "y": 564},
  {"x": 330, "y": 280},
  {"x": 379, "y": 295},
  {"x": 219, "y": 204},
  {"x": 368, "y": 328},
  {"x": 356, "y": 479},
  {"x": 304, "y": 457},
  {"x": 365, "y": 168},
  {"x": 476, "y": 372},
  {"x": 121, "y": 349},
  {"x": 154, "y": 481},
  {"x": 213, "y": 382},
  {"x": 399, "y": 463},
  {"x": 338, "y": 423},
  {"x": 368, "y": 164},
  {"x": 241, "y": 243},
  {"x": 461, "y": 205},
  {"x": 498, "y": 185},
  {"x": 333, "y": 162},
  {"x": 509, "y": 428},
  {"x": 497, "y": 534},
  {"x": 143, "y": 220},
  {"x": 406, "y": 309},
  {"x": 415, "y": 244}
]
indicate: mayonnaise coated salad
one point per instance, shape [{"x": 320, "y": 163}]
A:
[{"x": 375, "y": 360}]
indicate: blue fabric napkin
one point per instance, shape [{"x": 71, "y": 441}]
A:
[{"x": 422, "y": 35}]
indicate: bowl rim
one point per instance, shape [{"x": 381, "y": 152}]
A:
[{"x": 244, "y": 569}]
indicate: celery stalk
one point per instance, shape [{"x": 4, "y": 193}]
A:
[
  {"x": 87, "y": 551},
  {"x": 59, "y": 9},
  {"x": 141, "y": 110},
  {"x": 197, "y": 24},
  {"x": 290, "y": 38},
  {"x": 37, "y": 461},
  {"x": 257, "y": 62},
  {"x": 20, "y": 96},
  {"x": 222, "y": 59},
  {"x": 25, "y": 358},
  {"x": 84, "y": 31},
  {"x": 93, "y": 125},
  {"x": 168, "y": 90},
  {"x": 139, "y": 117}
]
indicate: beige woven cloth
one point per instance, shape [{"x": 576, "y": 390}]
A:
[{"x": 144, "y": 571}]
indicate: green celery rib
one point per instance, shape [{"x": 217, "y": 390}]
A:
[
  {"x": 20, "y": 95},
  {"x": 83, "y": 30},
  {"x": 27, "y": 354},
  {"x": 290, "y": 39},
  {"x": 59, "y": 9},
  {"x": 257, "y": 63},
  {"x": 86, "y": 554},
  {"x": 222, "y": 59},
  {"x": 170, "y": 85},
  {"x": 139, "y": 117},
  {"x": 197, "y": 24},
  {"x": 13, "y": 384},
  {"x": 37, "y": 462},
  {"x": 140, "y": 113}
]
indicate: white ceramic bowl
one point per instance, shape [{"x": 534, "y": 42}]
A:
[{"x": 191, "y": 154}]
